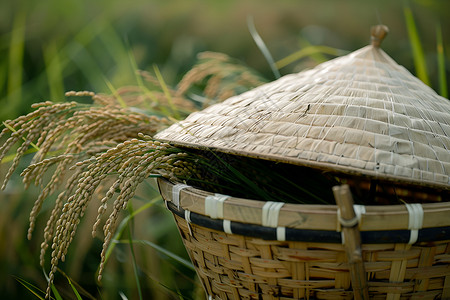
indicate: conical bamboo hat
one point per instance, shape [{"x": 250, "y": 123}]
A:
[{"x": 361, "y": 114}]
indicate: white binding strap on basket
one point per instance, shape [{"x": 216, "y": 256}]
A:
[
  {"x": 214, "y": 205},
  {"x": 176, "y": 189},
  {"x": 270, "y": 214},
  {"x": 415, "y": 211},
  {"x": 227, "y": 226},
  {"x": 166, "y": 203},
  {"x": 187, "y": 217},
  {"x": 281, "y": 234}
]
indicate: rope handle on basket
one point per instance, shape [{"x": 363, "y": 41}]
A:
[{"x": 415, "y": 211}]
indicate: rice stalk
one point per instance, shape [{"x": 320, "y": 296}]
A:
[
  {"x": 217, "y": 77},
  {"x": 83, "y": 146}
]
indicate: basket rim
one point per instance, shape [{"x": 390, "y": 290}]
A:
[
  {"x": 311, "y": 235},
  {"x": 307, "y": 216}
]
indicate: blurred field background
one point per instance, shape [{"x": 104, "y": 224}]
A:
[{"x": 49, "y": 47}]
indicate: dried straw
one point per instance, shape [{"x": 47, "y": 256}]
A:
[{"x": 360, "y": 114}]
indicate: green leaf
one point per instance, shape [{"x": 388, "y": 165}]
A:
[
  {"x": 417, "y": 50},
  {"x": 124, "y": 223},
  {"x": 56, "y": 293},
  {"x": 115, "y": 93},
  {"x": 168, "y": 253},
  {"x": 166, "y": 92},
  {"x": 54, "y": 70},
  {"x": 135, "y": 267},
  {"x": 262, "y": 46},
  {"x": 441, "y": 62},
  {"x": 15, "y": 57},
  {"x": 308, "y": 51},
  {"x": 13, "y": 130},
  {"x": 54, "y": 290},
  {"x": 74, "y": 289},
  {"x": 30, "y": 287}
]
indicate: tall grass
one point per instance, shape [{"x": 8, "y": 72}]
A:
[
  {"x": 15, "y": 62},
  {"x": 416, "y": 45},
  {"x": 441, "y": 61}
]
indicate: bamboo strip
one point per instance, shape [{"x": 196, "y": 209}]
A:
[
  {"x": 352, "y": 243},
  {"x": 446, "y": 289},
  {"x": 233, "y": 266},
  {"x": 309, "y": 216}
]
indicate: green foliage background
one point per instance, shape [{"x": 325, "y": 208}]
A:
[{"x": 49, "y": 47}]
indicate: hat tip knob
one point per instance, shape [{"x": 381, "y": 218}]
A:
[{"x": 378, "y": 33}]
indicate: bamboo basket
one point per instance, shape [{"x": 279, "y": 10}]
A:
[
  {"x": 360, "y": 116},
  {"x": 239, "y": 254}
]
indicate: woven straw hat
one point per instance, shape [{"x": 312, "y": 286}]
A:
[{"x": 360, "y": 114}]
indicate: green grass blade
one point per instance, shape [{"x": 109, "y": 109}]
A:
[
  {"x": 245, "y": 181},
  {"x": 74, "y": 286},
  {"x": 441, "y": 62},
  {"x": 30, "y": 287},
  {"x": 56, "y": 293},
  {"x": 117, "y": 50},
  {"x": 16, "y": 54},
  {"x": 54, "y": 290},
  {"x": 307, "y": 51},
  {"x": 177, "y": 290},
  {"x": 166, "y": 92},
  {"x": 13, "y": 130},
  {"x": 3, "y": 76},
  {"x": 74, "y": 289},
  {"x": 166, "y": 252},
  {"x": 262, "y": 46},
  {"x": 141, "y": 84},
  {"x": 124, "y": 223},
  {"x": 11, "y": 157},
  {"x": 54, "y": 71},
  {"x": 133, "y": 256},
  {"x": 174, "y": 292},
  {"x": 115, "y": 93},
  {"x": 417, "y": 50}
]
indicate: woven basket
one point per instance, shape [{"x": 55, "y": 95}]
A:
[
  {"x": 248, "y": 249},
  {"x": 362, "y": 117}
]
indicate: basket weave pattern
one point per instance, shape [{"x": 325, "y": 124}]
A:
[
  {"x": 246, "y": 264},
  {"x": 233, "y": 266}
]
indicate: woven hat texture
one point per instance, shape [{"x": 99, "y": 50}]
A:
[{"x": 361, "y": 113}]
